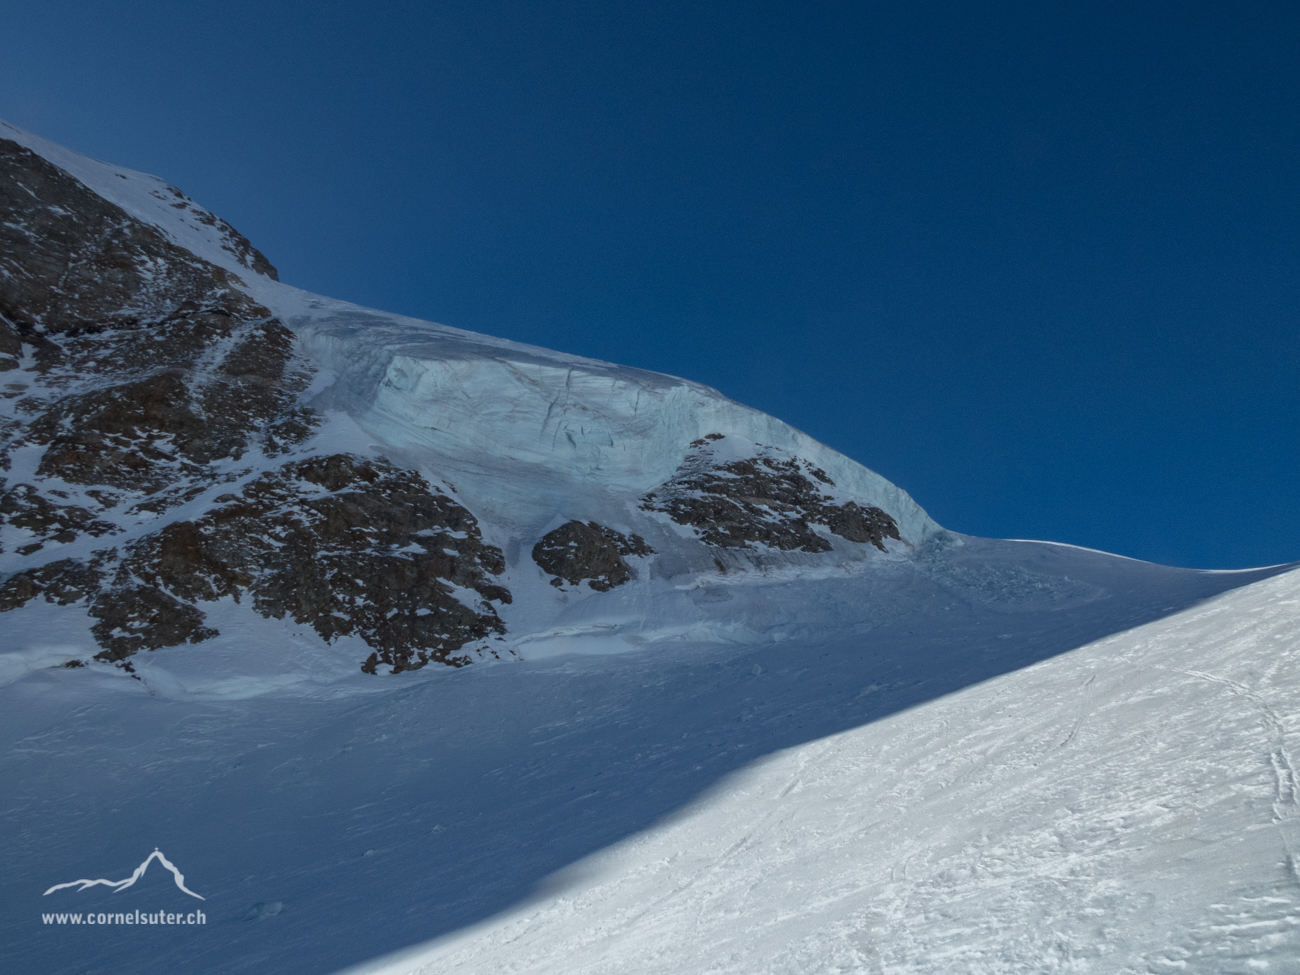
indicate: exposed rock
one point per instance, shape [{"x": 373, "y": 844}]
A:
[
  {"x": 63, "y": 582},
  {"x": 136, "y": 618},
  {"x": 764, "y": 499},
  {"x": 145, "y": 364},
  {"x": 380, "y": 555},
  {"x": 71, "y": 260},
  {"x": 148, "y": 411},
  {"x": 860, "y": 524},
  {"x": 346, "y": 546},
  {"x": 704, "y": 440},
  {"x": 131, "y": 436},
  {"x": 23, "y": 507},
  {"x": 11, "y": 346},
  {"x": 574, "y": 552},
  {"x": 224, "y": 384},
  {"x": 143, "y": 373},
  {"x": 289, "y": 430},
  {"x": 756, "y": 500}
]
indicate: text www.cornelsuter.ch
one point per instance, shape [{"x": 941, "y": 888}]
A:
[{"x": 131, "y": 917}]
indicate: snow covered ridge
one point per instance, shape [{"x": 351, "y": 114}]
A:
[
  {"x": 192, "y": 450},
  {"x": 155, "y": 203}
]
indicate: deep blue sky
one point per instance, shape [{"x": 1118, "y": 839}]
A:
[{"x": 1035, "y": 262}]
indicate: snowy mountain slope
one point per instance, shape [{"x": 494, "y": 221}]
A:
[
  {"x": 156, "y": 203},
  {"x": 464, "y": 394},
  {"x": 234, "y": 516},
  {"x": 153, "y": 401},
  {"x": 381, "y": 821},
  {"x": 1128, "y": 807}
]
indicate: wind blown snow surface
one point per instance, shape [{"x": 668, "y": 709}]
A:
[
  {"x": 931, "y": 753},
  {"x": 974, "y": 785},
  {"x": 1127, "y": 807}
]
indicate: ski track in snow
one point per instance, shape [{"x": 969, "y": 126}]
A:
[
  {"x": 942, "y": 794},
  {"x": 1084, "y": 814}
]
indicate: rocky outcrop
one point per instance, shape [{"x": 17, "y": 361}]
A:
[
  {"x": 349, "y": 547},
  {"x": 62, "y": 582},
  {"x": 140, "y": 378},
  {"x": 142, "y": 419},
  {"x": 767, "y": 500},
  {"x": 859, "y": 523},
  {"x": 132, "y": 618},
  {"x": 11, "y": 347},
  {"x": 134, "y": 364},
  {"x": 166, "y": 423},
  {"x": 48, "y": 521},
  {"x": 577, "y": 552},
  {"x": 71, "y": 260}
]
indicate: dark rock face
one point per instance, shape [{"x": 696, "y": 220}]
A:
[
  {"x": 136, "y": 378},
  {"x": 168, "y": 422},
  {"x": 142, "y": 417},
  {"x": 346, "y": 546},
  {"x": 71, "y": 260},
  {"x": 11, "y": 346},
  {"x": 24, "y": 507},
  {"x": 767, "y": 500},
  {"x": 144, "y": 618},
  {"x": 62, "y": 582},
  {"x": 860, "y": 524},
  {"x": 147, "y": 364},
  {"x": 574, "y": 552}
]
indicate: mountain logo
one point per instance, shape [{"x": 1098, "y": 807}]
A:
[{"x": 122, "y": 885}]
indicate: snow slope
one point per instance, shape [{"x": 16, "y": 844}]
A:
[
  {"x": 936, "y": 766},
  {"x": 1131, "y": 806}
]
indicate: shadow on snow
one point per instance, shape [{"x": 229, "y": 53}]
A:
[{"x": 378, "y": 823}]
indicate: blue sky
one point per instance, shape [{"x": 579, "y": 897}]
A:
[{"x": 1037, "y": 263}]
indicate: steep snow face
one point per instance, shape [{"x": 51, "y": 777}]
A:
[
  {"x": 1128, "y": 807},
  {"x": 907, "y": 786}
]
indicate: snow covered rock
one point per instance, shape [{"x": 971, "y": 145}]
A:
[
  {"x": 182, "y": 433},
  {"x": 574, "y": 552},
  {"x": 765, "y": 499},
  {"x": 140, "y": 378}
]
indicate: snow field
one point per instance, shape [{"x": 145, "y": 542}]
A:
[{"x": 1128, "y": 807}]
